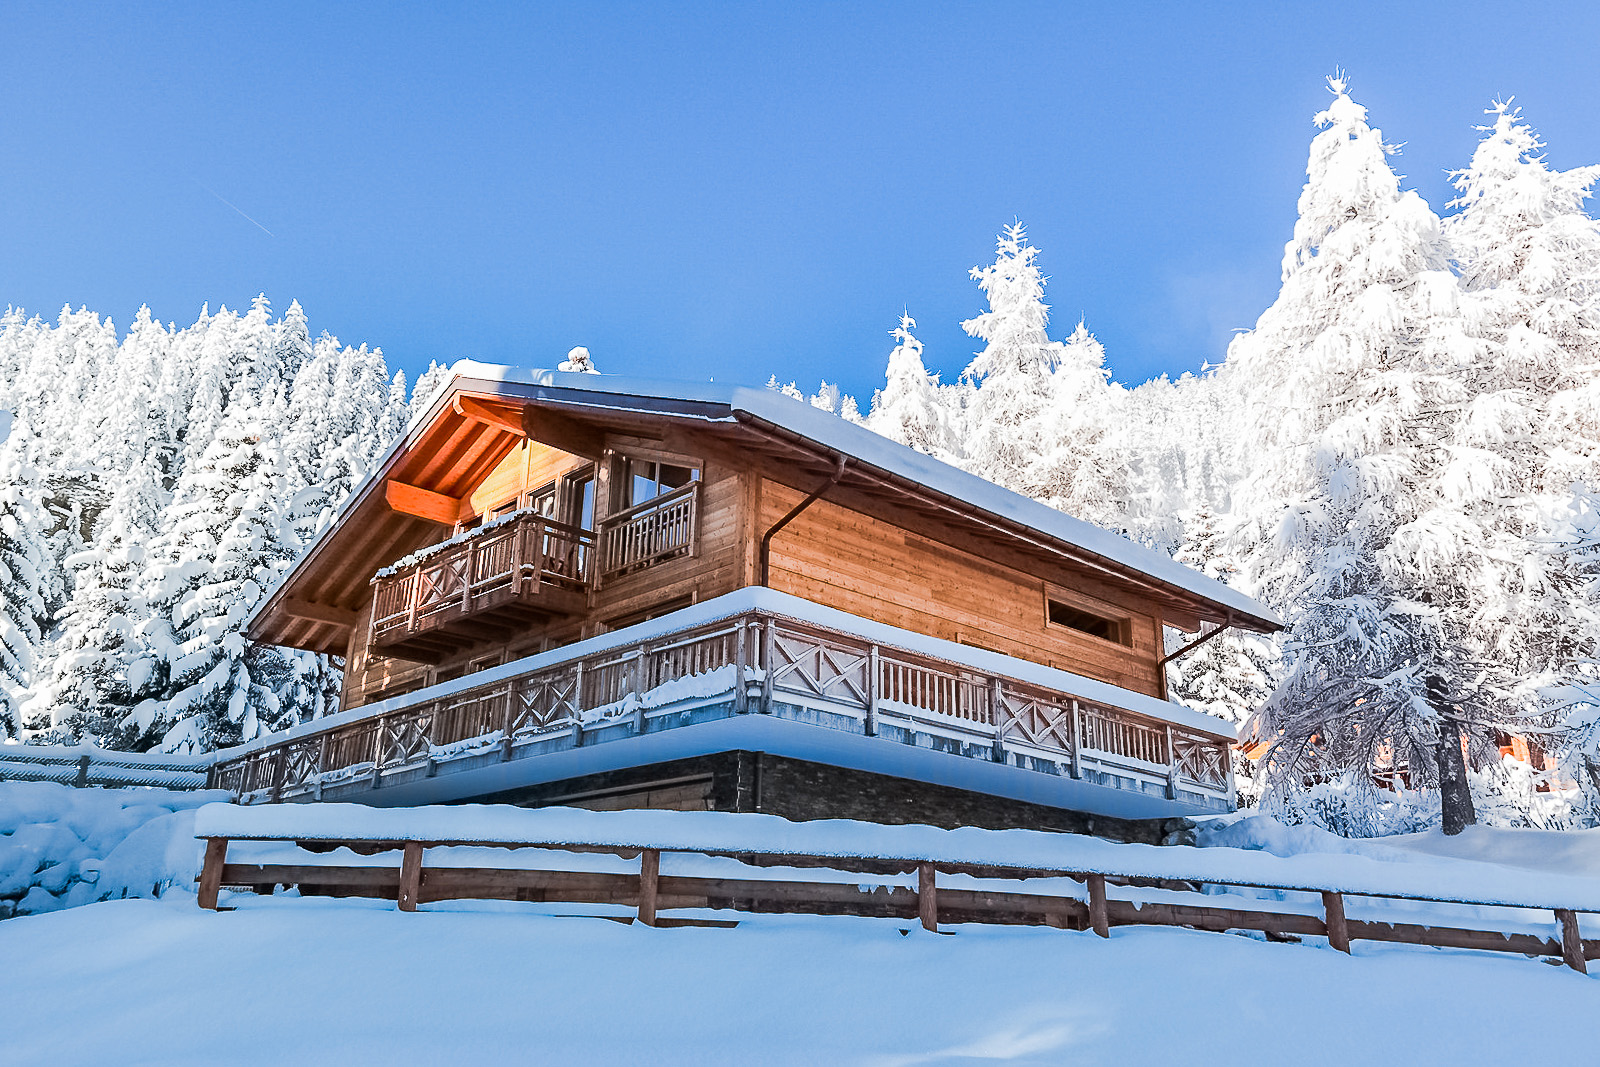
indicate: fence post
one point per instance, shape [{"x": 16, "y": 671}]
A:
[
  {"x": 649, "y": 879},
  {"x": 280, "y": 767},
  {"x": 871, "y": 725},
  {"x": 83, "y": 772},
  {"x": 927, "y": 898},
  {"x": 410, "y": 875},
  {"x": 1099, "y": 921},
  {"x": 1571, "y": 940},
  {"x": 505, "y": 728},
  {"x": 1333, "y": 917},
  {"x": 211, "y": 871}
]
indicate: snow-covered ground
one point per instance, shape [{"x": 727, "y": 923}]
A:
[{"x": 285, "y": 980}]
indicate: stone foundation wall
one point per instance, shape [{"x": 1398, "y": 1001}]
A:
[{"x": 801, "y": 790}]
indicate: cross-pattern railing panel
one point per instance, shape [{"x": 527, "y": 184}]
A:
[
  {"x": 790, "y": 659},
  {"x": 806, "y": 663}
]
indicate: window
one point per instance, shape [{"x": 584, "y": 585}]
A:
[
  {"x": 644, "y": 480},
  {"x": 542, "y": 501},
  {"x": 500, "y": 511},
  {"x": 578, "y": 499},
  {"x": 1086, "y": 620}
]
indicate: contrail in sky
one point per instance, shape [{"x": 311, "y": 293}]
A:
[{"x": 231, "y": 204}]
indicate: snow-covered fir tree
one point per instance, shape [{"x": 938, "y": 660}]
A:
[
  {"x": 22, "y": 562},
  {"x": 909, "y": 408},
  {"x": 1013, "y": 374}
]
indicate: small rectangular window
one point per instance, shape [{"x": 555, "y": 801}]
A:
[{"x": 1093, "y": 623}]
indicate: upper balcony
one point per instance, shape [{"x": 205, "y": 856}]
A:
[{"x": 524, "y": 569}]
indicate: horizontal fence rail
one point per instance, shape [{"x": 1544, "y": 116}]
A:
[
  {"x": 864, "y": 885},
  {"x": 85, "y": 766},
  {"x": 752, "y": 662}
]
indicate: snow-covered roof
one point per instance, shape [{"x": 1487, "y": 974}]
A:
[{"x": 703, "y": 400}]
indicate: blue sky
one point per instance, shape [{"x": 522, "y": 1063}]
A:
[{"x": 728, "y": 191}]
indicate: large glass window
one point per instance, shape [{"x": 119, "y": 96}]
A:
[
  {"x": 578, "y": 507},
  {"x": 644, "y": 480}
]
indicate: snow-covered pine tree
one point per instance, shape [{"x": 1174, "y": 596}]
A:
[
  {"x": 1348, "y": 377},
  {"x": 1081, "y": 470},
  {"x": 910, "y": 408},
  {"x": 1012, "y": 375},
  {"x": 1525, "y": 451},
  {"x": 22, "y": 559}
]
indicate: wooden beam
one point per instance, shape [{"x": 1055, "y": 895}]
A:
[
  {"x": 422, "y": 503},
  {"x": 478, "y": 411},
  {"x": 649, "y": 879},
  {"x": 1571, "y": 940},
  {"x": 1099, "y": 919},
  {"x": 410, "y": 875},
  {"x": 562, "y": 431},
  {"x": 296, "y": 608},
  {"x": 927, "y": 898},
  {"x": 211, "y": 871},
  {"x": 1333, "y": 916}
]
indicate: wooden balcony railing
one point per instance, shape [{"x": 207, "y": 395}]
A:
[
  {"x": 753, "y": 661},
  {"x": 648, "y": 533},
  {"x": 490, "y": 567}
]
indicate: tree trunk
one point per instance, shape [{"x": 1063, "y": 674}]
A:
[{"x": 1455, "y": 797}]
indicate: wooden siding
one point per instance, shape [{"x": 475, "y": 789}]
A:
[
  {"x": 872, "y": 568},
  {"x": 900, "y": 572}
]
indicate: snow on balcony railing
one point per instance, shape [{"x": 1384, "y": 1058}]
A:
[{"x": 757, "y": 650}]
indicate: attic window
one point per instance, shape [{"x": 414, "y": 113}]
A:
[{"x": 1075, "y": 617}]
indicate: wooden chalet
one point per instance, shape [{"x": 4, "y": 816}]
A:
[{"x": 580, "y": 589}]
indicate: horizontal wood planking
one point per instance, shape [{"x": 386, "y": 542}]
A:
[{"x": 859, "y": 564}]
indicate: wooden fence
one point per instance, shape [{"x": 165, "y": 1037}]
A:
[
  {"x": 770, "y": 664},
  {"x": 85, "y": 766},
  {"x": 835, "y": 885}
]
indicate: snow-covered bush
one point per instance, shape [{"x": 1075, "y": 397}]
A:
[{"x": 61, "y": 847}]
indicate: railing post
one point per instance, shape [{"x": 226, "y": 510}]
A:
[
  {"x": 873, "y": 662},
  {"x": 1077, "y": 742},
  {"x": 505, "y": 728},
  {"x": 280, "y": 767},
  {"x": 1571, "y": 940},
  {"x": 741, "y": 695},
  {"x": 377, "y": 748},
  {"x": 414, "y": 581},
  {"x": 997, "y": 712},
  {"x": 577, "y": 704},
  {"x": 410, "y": 875},
  {"x": 1333, "y": 918},
  {"x": 1172, "y": 767},
  {"x": 1099, "y": 921},
  {"x": 927, "y": 897},
  {"x": 211, "y": 871},
  {"x": 769, "y": 666},
  {"x": 636, "y": 687}
]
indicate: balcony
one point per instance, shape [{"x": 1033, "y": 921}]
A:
[
  {"x": 763, "y": 670},
  {"x": 652, "y": 532},
  {"x": 482, "y": 585}
]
